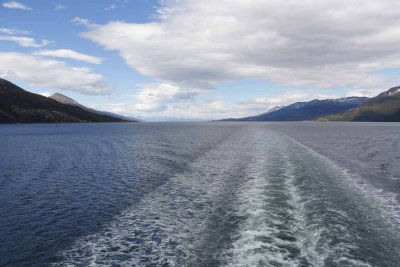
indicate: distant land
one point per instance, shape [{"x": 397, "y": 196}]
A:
[
  {"x": 302, "y": 111},
  {"x": 20, "y": 106},
  {"x": 384, "y": 107},
  {"x": 69, "y": 101}
]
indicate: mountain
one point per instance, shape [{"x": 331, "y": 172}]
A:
[
  {"x": 65, "y": 100},
  {"x": 273, "y": 109},
  {"x": 69, "y": 101},
  {"x": 263, "y": 114},
  {"x": 310, "y": 110},
  {"x": 20, "y": 106},
  {"x": 383, "y": 107}
]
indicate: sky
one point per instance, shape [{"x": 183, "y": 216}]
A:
[{"x": 200, "y": 60}]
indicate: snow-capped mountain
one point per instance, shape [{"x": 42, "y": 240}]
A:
[
  {"x": 383, "y": 107},
  {"x": 309, "y": 110}
]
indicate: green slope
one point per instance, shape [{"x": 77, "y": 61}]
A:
[{"x": 384, "y": 107}]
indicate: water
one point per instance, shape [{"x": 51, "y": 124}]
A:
[{"x": 201, "y": 194}]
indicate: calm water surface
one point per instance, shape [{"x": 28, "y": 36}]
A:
[{"x": 200, "y": 194}]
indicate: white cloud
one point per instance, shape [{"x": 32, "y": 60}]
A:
[
  {"x": 84, "y": 22},
  {"x": 157, "y": 97},
  {"x": 203, "y": 110},
  {"x": 67, "y": 53},
  {"x": 117, "y": 108},
  {"x": 164, "y": 101},
  {"x": 194, "y": 45},
  {"x": 60, "y": 7},
  {"x": 262, "y": 104},
  {"x": 80, "y": 21},
  {"x": 117, "y": 4},
  {"x": 15, "y": 5},
  {"x": 365, "y": 92},
  {"x": 25, "y": 41},
  {"x": 315, "y": 43},
  {"x": 13, "y": 31},
  {"x": 53, "y": 74}
]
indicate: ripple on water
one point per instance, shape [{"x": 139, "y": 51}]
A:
[{"x": 233, "y": 196}]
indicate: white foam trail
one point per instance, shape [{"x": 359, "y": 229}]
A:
[
  {"x": 385, "y": 200},
  {"x": 164, "y": 228},
  {"x": 169, "y": 225},
  {"x": 314, "y": 244},
  {"x": 307, "y": 240},
  {"x": 259, "y": 242}
]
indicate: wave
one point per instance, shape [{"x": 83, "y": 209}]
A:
[{"x": 259, "y": 198}]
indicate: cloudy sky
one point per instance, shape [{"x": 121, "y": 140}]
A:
[{"x": 194, "y": 59}]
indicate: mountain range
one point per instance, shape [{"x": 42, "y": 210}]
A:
[
  {"x": 20, "y": 106},
  {"x": 69, "y": 101},
  {"x": 301, "y": 111},
  {"x": 383, "y": 107}
]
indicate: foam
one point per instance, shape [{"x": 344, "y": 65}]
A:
[
  {"x": 387, "y": 201},
  {"x": 307, "y": 241},
  {"x": 258, "y": 242},
  {"x": 168, "y": 224},
  {"x": 259, "y": 173}
]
